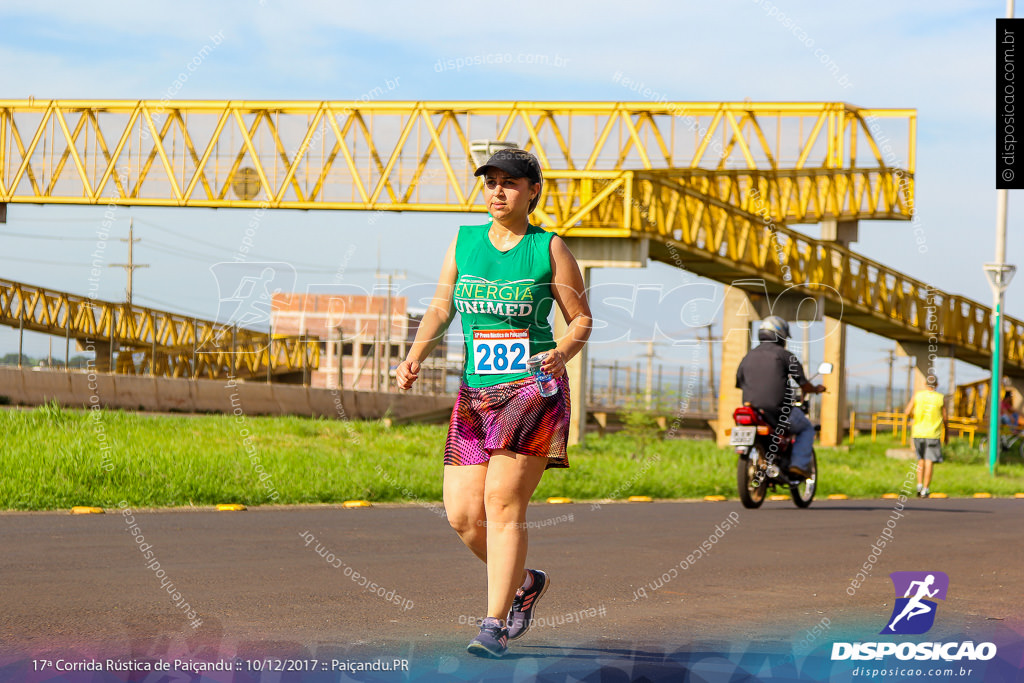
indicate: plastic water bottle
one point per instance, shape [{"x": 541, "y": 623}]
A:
[{"x": 547, "y": 384}]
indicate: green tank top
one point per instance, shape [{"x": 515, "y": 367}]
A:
[{"x": 504, "y": 300}]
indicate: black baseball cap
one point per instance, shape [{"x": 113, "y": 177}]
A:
[{"x": 518, "y": 163}]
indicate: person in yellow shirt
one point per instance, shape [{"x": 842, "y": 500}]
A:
[{"x": 927, "y": 409}]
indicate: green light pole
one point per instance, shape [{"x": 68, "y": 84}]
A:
[{"x": 999, "y": 276}]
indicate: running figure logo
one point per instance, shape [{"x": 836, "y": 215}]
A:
[
  {"x": 246, "y": 290},
  {"x": 246, "y": 294},
  {"x": 914, "y": 613}
]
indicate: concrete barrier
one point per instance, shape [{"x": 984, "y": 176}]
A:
[
  {"x": 291, "y": 399},
  {"x": 54, "y": 386},
  {"x": 76, "y": 390},
  {"x": 175, "y": 397},
  {"x": 12, "y": 387},
  {"x": 328, "y": 404},
  {"x": 88, "y": 389},
  {"x": 258, "y": 399},
  {"x": 135, "y": 393},
  {"x": 210, "y": 395}
]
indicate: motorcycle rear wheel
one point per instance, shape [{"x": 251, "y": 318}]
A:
[
  {"x": 803, "y": 493},
  {"x": 750, "y": 471}
]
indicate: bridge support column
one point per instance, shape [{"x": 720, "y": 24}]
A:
[
  {"x": 102, "y": 351},
  {"x": 842, "y": 232},
  {"x": 918, "y": 355},
  {"x": 576, "y": 369},
  {"x": 738, "y": 312},
  {"x": 833, "y": 402},
  {"x": 593, "y": 252}
]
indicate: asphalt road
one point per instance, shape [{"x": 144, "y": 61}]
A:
[{"x": 79, "y": 585}]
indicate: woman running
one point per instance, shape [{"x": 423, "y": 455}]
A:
[{"x": 502, "y": 278}]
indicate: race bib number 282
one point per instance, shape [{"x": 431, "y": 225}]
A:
[{"x": 500, "y": 352}]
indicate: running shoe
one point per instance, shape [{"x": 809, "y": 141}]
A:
[
  {"x": 492, "y": 640},
  {"x": 520, "y": 617}
]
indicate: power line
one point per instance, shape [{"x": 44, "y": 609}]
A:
[
  {"x": 61, "y": 238},
  {"x": 57, "y": 220},
  {"x": 174, "y": 307},
  {"x": 62, "y": 264},
  {"x": 220, "y": 247},
  {"x": 300, "y": 267},
  {"x": 172, "y": 250}
]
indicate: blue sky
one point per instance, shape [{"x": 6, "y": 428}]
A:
[{"x": 937, "y": 57}]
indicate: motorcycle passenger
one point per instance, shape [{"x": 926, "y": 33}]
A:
[{"x": 764, "y": 376}]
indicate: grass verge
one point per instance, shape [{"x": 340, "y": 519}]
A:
[{"x": 55, "y": 458}]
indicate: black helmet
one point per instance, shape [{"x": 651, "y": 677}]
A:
[{"x": 773, "y": 328}]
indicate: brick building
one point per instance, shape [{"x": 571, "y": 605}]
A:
[{"x": 353, "y": 333}]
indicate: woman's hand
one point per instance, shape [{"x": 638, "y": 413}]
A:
[
  {"x": 554, "y": 364},
  {"x": 407, "y": 373}
]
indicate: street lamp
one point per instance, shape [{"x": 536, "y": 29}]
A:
[{"x": 999, "y": 275}]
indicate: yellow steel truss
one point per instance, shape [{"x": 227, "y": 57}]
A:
[
  {"x": 155, "y": 342},
  {"x": 971, "y": 402},
  {"x": 727, "y": 242},
  {"x": 711, "y": 183},
  {"x": 821, "y": 160}
]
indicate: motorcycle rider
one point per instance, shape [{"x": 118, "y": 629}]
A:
[{"x": 764, "y": 375}]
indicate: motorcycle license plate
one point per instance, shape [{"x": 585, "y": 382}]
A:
[{"x": 742, "y": 436}]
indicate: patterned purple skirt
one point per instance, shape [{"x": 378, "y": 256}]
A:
[{"x": 511, "y": 416}]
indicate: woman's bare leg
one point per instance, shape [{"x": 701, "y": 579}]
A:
[
  {"x": 464, "y": 504},
  {"x": 510, "y": 481}
]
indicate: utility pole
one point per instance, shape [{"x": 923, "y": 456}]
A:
[
  {"x": 888, "y": 387},
  {"x": 711, "y": 363},
  {"x": 805, "y": 349},
  {"x": 387, "y": 349},
  {"x": 131, "y": 265},
  {"x": 612, "y": 384},
  {"x": 650, "y": 371},
  {"x": 376, "y": 356},
  {"x": 952, "y": 370},
  {"x": 910, "y": 379}
]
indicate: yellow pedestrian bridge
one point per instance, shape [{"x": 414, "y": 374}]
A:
[{"x": 705, "y": 186}]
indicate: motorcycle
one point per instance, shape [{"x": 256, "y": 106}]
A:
[
  {"x": 1009, "y": 442},
  {"x": 763, "y": 456}
]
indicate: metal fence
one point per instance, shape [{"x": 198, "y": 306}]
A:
[{"x": 660, "y": 388}]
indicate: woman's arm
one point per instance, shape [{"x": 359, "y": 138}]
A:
[
  {"x": 569, "y": 291},
  {"x": 434, "y": 324}
]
